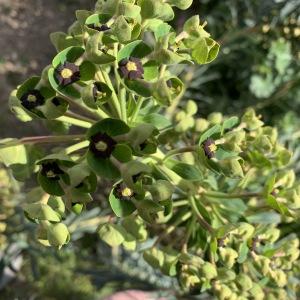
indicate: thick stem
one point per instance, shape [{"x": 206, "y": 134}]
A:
[
  {"x": 123, "y": 104},
  {"x": 74, "y": 121},
  {"x": 219, "y": 195},
  {"x": 43, "y": 140},
  {"x": 79, "y": 117},
  {"x": 76, "y": 147},
  {"x": 137, "y": 108},
  {"x": 80, "y": 107},
  {"x": 114, "y": 98},
  {"x": 180, "y": 150}
]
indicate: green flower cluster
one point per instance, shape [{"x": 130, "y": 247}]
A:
[{"x": 206, "y": 194}]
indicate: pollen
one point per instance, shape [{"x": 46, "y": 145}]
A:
[
  {"x": 131, "y": 66},
  {"x": 31, "y": 98},
  {"x": 50, "y": 174},
  {"x": 101, "y": 146},
  {"x": 127, "y": 192},
  {"x": 66, "y": 73},
  {"x": 212, "y": 147}
]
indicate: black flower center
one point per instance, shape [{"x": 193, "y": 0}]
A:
[
  {"x": 98, "y": 91},
  {"x": 121, "y": 191},
  {"x": 100, "y": 28},
  {"x": 67, "y": 74},
  {"x": 51, "y": 170},
  {"x": 32, "y": 99},
  {"x": 131, "y": 68},
  {"x": 102, "y": 145},
  {"x": 209, "y": 148}
]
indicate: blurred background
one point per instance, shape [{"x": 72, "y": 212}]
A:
[{"x": 258, "y": 66}]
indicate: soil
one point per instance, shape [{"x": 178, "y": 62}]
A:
[{"x": 25, "y": 48}]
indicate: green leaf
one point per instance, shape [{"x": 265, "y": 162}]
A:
[
  {"x": 209, "y": 133},
  {"x": 200, "y": 52},
  {"x": 157, "y": 120},
  {"x": 264, "y": 218},
  {"x": 122, "y": 208},
  {"x": 112, "y": 234},
  {"x": 87, "y": 71},
  {"x": 58, "y": 235},
  {"x": 94, "y": 54},
  {"x": 280, "y": 207},
  {"x": 102, "y": 167},
  {"x": 12, "y": 155},
  {"x": 121, "y": 29},
  {"x": 230, "y": 123},
  {"x": 148, "y": 209},
  {"x": 82, "y": 15},
  {"x": 137, "y": 49},
  {"x": 135, "y": 226},
  {"x": 50, "y": 186},
  {"x": 243, "y": 252},
  {"x": 188, "y": 172},
  {"x": 130, "y": 10},
  {"x": 54, "y": 108},
  {"x": 181, "y": 4},
  {"x": 61, "y": 41},
  {"x": 42, "y": 212},
  {"x": 154, "y": 257},
  {"x": 139, "y": 87},
  {"x": 122, "y": 153},
  {"x": 112, "y": 127},
  {"x": 150, "y": 70}
]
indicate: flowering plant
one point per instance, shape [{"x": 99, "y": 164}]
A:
[{"x": 201, "y": 198}]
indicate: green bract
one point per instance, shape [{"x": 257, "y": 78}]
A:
[{"x": 209, "y": 191}]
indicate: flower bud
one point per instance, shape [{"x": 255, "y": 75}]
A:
[
  {"x": 42, "y": 212},
  {"x": 161, "y": 190},
  {"x": 263, "y": 143},
  {"x": 215, "y": 118},
  {"x": 257, "y": 292},
  {"x": 228, "y": 256},
  {"x": 245, "y": 231},
  {"x": 279, "y": 276},
  {"x": 251, "y": 120},
  {"x": 58, "y": 235},
  {"x": 191, "y": 108},
  {"x": 223, "y": 292},
  {"x": 263, "y": 264},
  {"x": 201, "y": 125},
  {"x": 208, "y": 271},
  {"x": 271, "y": 235},
  {"x": 271, "y": 133},
  {"x": 57, "y": 204},
  {"x": 244, "y": 282}
]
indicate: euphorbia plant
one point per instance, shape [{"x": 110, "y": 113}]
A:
[{"x": 205, "y": 193}]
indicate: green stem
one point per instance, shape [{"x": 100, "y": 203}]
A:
[
  {"x": 78, "y": 117},
  {"x": 80, "y": 107},
  {"x": 114, "y": 97},
  {"x": 49, "y": 139},
  {"x": 188, "y": 234},
  {"x": 180, "y": 203},
  {"x": 219, "y": 195},
  {"x": 172, "y": 227},
  {"x": 180, "y": 150},
  {"x": 200, "y": 219},
  {"x": 76, "y": 147},
  {"x": 137, "y": 108},
  {"x": 123, "y": 104},
  {"x": 74, "y": 121}
]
